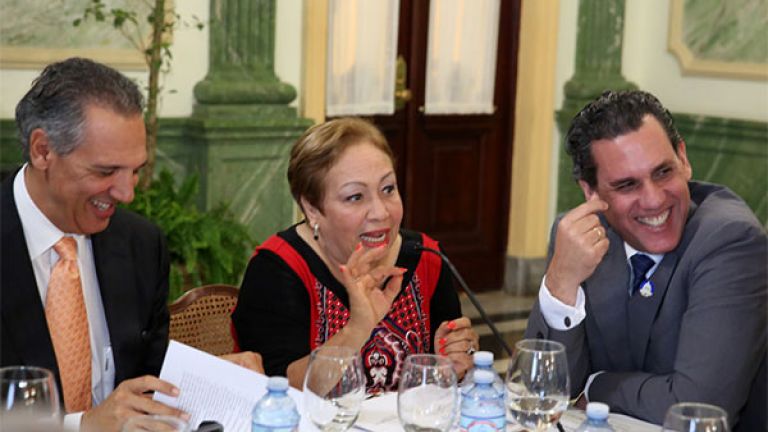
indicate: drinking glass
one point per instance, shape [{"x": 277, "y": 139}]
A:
[
  {"x": 29, "y": 399},
  {"x": 695, "y": 417},
  {"x": 427, "y": 395},
  {"x": 537, "y": 383},
  {"x": 334, "y": 387},
  {"x": 155, "y": 423}
]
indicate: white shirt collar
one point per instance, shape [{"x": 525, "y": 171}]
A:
[
  {"x": 39, "y": 232},
  {"x": 629, "y": 250}
]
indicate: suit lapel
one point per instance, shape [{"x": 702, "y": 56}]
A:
[
  {"x": 115, "y": 272},
  {"x": 22, "y": 309},
  {"x": 606, "y": 292}
]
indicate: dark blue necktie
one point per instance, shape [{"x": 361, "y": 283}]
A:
[{"x": 641, "y": 263}]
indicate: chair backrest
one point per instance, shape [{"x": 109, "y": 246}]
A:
[{"x": 201, "y": 318}]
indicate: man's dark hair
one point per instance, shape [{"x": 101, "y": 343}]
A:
[
  {"x": 611, "y": 115},
  {"x": 58, "y": 98}
]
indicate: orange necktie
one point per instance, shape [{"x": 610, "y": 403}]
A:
[{"x": 68, "y": 326}]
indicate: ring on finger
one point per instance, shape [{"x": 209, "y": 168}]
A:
[
  {"x": 471, "y": 350},
  {"x": 598, "y": 232}
]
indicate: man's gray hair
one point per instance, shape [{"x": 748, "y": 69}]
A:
[{"x": 58, "y": 98}]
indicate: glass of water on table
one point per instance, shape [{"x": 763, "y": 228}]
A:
[
  {"x": 537, "y": 384},
  {"x": 427, "y": 395},
  {"x": 334, "y": 388}
]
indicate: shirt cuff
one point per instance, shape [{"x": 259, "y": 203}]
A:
[
  {"x": 557, "y": 314},
  {"x": 589, "y": 383},
  {"x": 72, "y": 422}
]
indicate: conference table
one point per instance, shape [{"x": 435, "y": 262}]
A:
[{"x": 379, "y": 414}]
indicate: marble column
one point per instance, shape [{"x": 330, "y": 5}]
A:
[
  {"x": 242, "y": 122},
  {"x": 597, "y": 68}
]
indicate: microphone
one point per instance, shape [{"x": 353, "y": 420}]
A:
[{"x": 470, "y": 294}]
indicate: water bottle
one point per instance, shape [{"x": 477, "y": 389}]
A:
[
  {"x": 597, "y": 419},
  {"x": 483, "y": 360},
  {"x": 482, "y": 407},
  {"x": 276, "y": 411}
]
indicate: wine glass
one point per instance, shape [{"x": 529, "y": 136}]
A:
[
  {"x": 29, "y": 399},
  {"x": 427, "y": 395},
  {"x": 155, "y": 423},
  {"x": 695, "y": 417},
  {"x": 334, "y": 387},
  {"x": 537, "y": 383}
]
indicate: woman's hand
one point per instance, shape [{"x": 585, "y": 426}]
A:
[
  {"x": 456, "y": 340},
  {"x": 369, "y": 297}
]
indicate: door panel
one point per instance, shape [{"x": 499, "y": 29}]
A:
[{"x": 454, "y": 171}]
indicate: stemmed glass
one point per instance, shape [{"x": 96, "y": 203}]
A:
[
  {"x": 334, "y": 387},
  {"x": 695, "y": 417},
  {"x": 537, "y": 383},
  {"x": 29, "y": 399},
  {"x": 427, "y": 395}
]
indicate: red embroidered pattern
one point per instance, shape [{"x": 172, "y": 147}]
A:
[{"x": 403, "y": 331}]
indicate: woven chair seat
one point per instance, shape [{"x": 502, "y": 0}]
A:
[{"x": 201, "y": 318}]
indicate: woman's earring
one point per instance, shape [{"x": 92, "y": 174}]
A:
[{"x": 315, "y": 230}]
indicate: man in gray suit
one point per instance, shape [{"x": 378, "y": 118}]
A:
[{"x": 656, "y": 284}]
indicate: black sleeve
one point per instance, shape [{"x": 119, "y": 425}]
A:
[
  {"x": 160, "y": 318},
  {"x": 445, "y": 303},
  {"x": 272, "y": 314}
]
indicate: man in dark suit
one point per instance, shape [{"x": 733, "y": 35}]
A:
[
  {"x": 83, "y": 139},
  {"x": 656, "y": 284}
]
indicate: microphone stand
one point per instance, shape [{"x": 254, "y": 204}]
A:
[{"x": 470, "y": 294}]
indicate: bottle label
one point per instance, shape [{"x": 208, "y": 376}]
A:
[{"x": 486, "y": 424}]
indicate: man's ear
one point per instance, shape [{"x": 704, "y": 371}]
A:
[
  {"x": 588, "y": 191},
  {"x": 40, "y": 151},
  {"x": 683, "y": 156}
]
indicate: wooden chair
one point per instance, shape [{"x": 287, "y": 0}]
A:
[{"x": 201, "y": 318}]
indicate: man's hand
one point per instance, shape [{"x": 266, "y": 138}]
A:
[
  {"x": 130, "y": 398},
  {"x": 580, "y": 245},
  {"x": 247, "y": 359}
]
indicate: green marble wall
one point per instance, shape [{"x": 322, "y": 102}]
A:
[
  {"x": 730, "y": 31},
  {"x": 725, "y": 151}
]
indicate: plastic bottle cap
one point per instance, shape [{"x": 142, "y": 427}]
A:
[
  {"x": 483, "y": 377},
  {"x": 483, "y": 358},
  {"x": 277, "y": 383},
  {"x": 597, "y": 410}
]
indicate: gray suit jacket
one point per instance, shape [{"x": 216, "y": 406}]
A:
[{"x": 700, "y": 337}]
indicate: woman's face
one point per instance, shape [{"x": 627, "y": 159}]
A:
[{"x": 361, "y": 203}]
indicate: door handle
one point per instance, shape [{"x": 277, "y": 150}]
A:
[{"x": 402, "y": 94}]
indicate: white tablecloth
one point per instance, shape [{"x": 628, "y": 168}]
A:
[{"x": 379, "y": 414}]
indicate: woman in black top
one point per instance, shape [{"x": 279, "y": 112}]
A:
[{"x": 348, "y": 275}]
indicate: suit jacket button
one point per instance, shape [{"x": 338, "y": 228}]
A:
[
  {"x": 145, "y": 334},
  {"x": 567, "y": 321},
  {"x": 539, "y": 335}
]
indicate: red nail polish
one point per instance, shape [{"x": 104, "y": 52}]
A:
[
  {"x": 451, "y": 325},
  {"x": 442, "y": 350},
  {"x": 359, "y": 246},
  {"x": 342, "y": 269},
  {"x": 441, "y": 341}
]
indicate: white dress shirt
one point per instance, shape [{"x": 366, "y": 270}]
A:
[
  {"x": 557, "y": 313},
  {"x": 40, "y": 235}
]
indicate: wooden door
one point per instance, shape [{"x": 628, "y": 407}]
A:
[{"x": 454, "y": 171}]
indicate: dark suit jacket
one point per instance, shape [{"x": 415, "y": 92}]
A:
[
  {"x": 132, "y": 266},
  {"x": 700, "y": 337}
]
